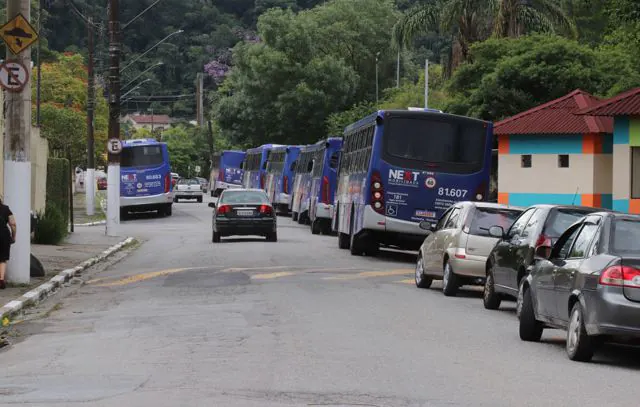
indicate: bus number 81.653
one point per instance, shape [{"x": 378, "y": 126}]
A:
[{"x": 452, "y": 192}]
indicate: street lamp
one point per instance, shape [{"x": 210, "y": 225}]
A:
[
  {"x": 147, "y": 51},
  {"x": 142, "y": 73},
  {"x": 140, "y": 14}
]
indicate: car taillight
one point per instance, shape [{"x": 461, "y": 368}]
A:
[
  {"x": 377, "y": 193},
  {"x": 621, "y": 276},
  {"x": 285, "y": 186},
  {"x": 167, "y": 183},
  {"x": 266, "y": 210},
  {"x": 543, "y": 241},
  {"x": 223, "y": 209},
  {"x": 325, "y": 190}
]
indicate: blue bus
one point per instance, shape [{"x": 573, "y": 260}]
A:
[
  {"x": 226, "y": 171},
  {"x": 255, "y": 166},
  {"x": 280, "y": 174},
  {"x": 324, "y": 180},
  {"x": 145, "y": 178},
  {"x": 302, "y": 182},
  {"x": 401, "y": 167}
]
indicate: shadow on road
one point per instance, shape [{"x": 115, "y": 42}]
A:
[
  {"x": 610, "y": 354},
  {"x": 398, "y": 256}
]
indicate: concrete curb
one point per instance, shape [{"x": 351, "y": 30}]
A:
[
  {"x": 43, "y": 291},
  {"x": 98, "y": 223}
]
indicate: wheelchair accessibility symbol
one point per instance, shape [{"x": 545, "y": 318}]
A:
[{"x": 392, "y": 210}]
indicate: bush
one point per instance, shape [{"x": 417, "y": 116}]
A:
[
  {"x": 58, "y": 180},
  {"x": 51, "y": 226}
]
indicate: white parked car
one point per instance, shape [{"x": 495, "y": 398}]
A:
[{"x": 188, "y": 188}]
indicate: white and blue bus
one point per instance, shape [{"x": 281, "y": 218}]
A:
[
  {"x": 280, "y": 176},
  {"x": 401, "y": 167},
  {"x": 145, "y": 178},
  {"x": 324, "y": 181},
  {"x": 226, "y": 172},
  {"x": 255, "y": 166}
]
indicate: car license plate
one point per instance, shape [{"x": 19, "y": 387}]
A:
[{"x": 245, "y": 213}]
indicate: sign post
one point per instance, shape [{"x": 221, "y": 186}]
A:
[{"x": 18, "y": 35}]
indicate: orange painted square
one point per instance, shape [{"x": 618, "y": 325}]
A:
[
  {"x": 593, "y": 200},
  {"x": 503, "y": 144},
  {"x": 634, "y": 205},
  {"x": 503, "y": 198},
  {"x": 590, "y": 143}
]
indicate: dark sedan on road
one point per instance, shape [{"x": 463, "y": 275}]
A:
[
  {"x": 587, "y": 284},
  {"x": 244, "y": 212},
  {"x": 506, "y": 266}
]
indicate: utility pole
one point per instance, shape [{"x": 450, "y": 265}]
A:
[
  {"x": 426, "y": 84},
  {"x": 17, "y": 160},
  {"x": 90, "y": 179},
  {"x": 113, "y": 172},
  {"x": 210, "y": 141},
  {"x": 39, "y": 55},
  {"x": 398, "y": 71},
  {"x": 200, "y": 99}
]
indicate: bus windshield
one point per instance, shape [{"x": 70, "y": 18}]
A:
[
  {"x": 141, "y": 156},
  {"x": 413, "y": 141}
]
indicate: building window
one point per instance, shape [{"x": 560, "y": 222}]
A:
[
  {"x": 635, "y": 172},
  {"x": 563, "y": 160},
  {"x": 525, "y": 161}
]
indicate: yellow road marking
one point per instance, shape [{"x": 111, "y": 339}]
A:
[
  {"x": 141, "y": 277},
  {"x": 367, "y": 274},
  {"x": 407, "y": 281},
  {"x": 268, "y": 276}
]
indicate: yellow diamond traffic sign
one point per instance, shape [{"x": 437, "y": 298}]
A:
[{"x": 18, "y": 34}]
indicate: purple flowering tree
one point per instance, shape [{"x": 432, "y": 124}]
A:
[{"x": 219, "y": 66}]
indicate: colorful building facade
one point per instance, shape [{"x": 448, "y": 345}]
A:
[
  {"x": 550, "y": 154},
  {"x": 625, "y": 111}
]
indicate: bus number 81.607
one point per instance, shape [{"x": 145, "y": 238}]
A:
[{"x": 452, "y": 192}]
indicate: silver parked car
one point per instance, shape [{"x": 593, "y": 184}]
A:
[{"x": 457, "y": 249}]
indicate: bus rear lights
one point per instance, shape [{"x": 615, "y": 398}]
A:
[
  {"x": 479, "y": 197},
  {"x": 325, "y": 190},
  {"x": 167, "y": 182},
  {"x": 377, "y": 193},
  {"x": 285, "y": 185}
]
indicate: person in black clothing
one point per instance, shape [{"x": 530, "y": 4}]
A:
[{"x": 7, "y": 238}]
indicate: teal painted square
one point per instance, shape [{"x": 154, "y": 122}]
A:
[
  {"x": 607, "y": 201},
  {"x": 621, "y": 130},
  {"x": 607, "y": 143},
  {"x": 523, "y": 199},
  {"x": 545, "y": 144},
  {"x": 620, "y": 205}
]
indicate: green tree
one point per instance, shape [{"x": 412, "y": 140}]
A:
[{"x": 508, "y": 76}]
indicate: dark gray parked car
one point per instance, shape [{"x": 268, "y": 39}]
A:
[{"x": 587, "y": 284}]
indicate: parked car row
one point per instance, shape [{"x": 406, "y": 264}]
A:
[{"x": 567, "y": 267}]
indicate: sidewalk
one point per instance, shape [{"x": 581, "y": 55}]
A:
[
  {"x": 80, "y": 209},
  {"x": 83, "y": 244}
]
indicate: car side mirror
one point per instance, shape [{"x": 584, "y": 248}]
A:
[
  {"x": 426, "y": 225},
  {"x": 212, "y": 205},
  {"x": 496, "y": 231},
  {"x": 543, "y": 252}
]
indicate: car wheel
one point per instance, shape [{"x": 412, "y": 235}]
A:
[
  {"x": 216, "y": 237},
  {"x": 490, "y": 298},
  {"x": 450, "y": 281},
  {"x": 422, "y": 281},
  {"x": 579, "y": 344},
  {"x": 530, "y": 327},
  {"x": 200, "y": 200},
  {"x": 272, "y": 237},
  {"x": 316, "y": 227},
  {"x": 124, "y": 214}
]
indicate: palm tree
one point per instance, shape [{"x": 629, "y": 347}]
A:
[{"x": 469, "y": 21}]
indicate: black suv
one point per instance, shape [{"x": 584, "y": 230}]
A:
[{"x": 538, "y": 225}]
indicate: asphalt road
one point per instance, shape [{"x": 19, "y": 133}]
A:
[{"x": 183, "y": 322}]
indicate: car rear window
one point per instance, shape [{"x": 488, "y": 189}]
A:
[
  {"x": 625, "y": 235},
  {"x": 484, "y": 218},
  {"x": 232, "y": 197},
  {"x": 188, "y": 182},
  {"x": 560, "y": 219}
]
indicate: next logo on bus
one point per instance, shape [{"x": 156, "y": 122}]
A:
[{"x": 403, "y": 177}]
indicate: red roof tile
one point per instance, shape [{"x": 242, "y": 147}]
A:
[
  {"x": 625, "y": 104},
  {"x": 557, "y": 117},
  {"x": 148, "y": 119}
]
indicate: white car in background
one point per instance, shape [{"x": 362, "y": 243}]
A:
[{"x": 188, "y": 188}]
